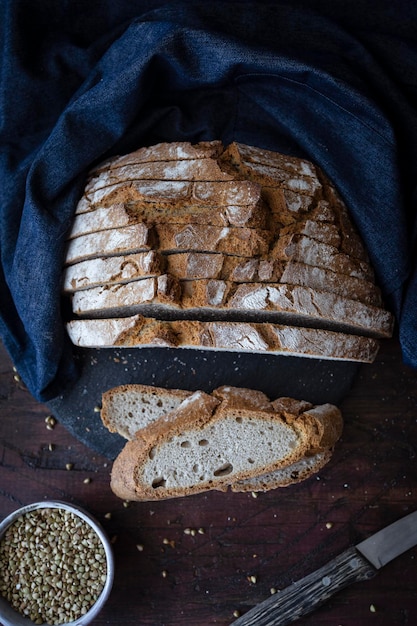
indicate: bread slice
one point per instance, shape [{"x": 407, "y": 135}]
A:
[
  {"x": 175, "y": 151},
  {"x": 163, "y": 292},
  {"x": 173, "y": 193},
  {"x": 182, "y": 169},
  {"x": 259, "y": 338},
  {"x": 245, "y": 242},
  {"x": 285, "y": 476},
  {"x": 130, "y": 239},
  {"x": 111, "y": 270},
  {"x": 122, "y": 214},
  {"x": 204, "y": 445},
  {"x": 277, "y": 303},
  {"x": 126, "y": 409}
]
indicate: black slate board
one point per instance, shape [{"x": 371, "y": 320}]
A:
[{"x": 315, "y": 380}]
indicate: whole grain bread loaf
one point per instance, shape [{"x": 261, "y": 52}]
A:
[{"x": 186, "y": 232}]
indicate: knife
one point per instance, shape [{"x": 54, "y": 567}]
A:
[{"x": 357, "y": 563}]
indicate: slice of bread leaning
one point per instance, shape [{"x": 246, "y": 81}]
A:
[{"x": 213, "y": 442}]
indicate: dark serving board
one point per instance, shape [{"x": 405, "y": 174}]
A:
[{"x": 317, "y": 381}]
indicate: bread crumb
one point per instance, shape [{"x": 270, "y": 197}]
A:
[
  {"x": 329, "y": 525},
  {"x": 272, "y": 591},
  {"x": 140, "y": 547},
  {"x": 372, "y": 608},
  {"x": 236, "y": 613},
  {"x": 107, "y": 516}
]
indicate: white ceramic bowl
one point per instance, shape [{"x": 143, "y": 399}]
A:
[{"x": 8, "y": 615}]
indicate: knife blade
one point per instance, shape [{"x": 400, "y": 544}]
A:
[{"x": 357, "y": 563}]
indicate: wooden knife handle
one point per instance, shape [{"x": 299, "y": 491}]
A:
[{"x": 305, "y": 595}]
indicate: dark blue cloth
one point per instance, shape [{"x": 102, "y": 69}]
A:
[{"x": 335, "y": 82}]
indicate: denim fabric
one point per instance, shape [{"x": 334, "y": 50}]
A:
[{"x": 334, "y": 82}]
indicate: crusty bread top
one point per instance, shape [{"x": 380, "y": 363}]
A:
[{"x": 239, "y": 232}]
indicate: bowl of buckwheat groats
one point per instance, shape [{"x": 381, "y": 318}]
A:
[{"x": 56, "y": 566}]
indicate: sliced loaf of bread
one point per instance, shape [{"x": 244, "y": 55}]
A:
[{"x": 241, "y": 235}]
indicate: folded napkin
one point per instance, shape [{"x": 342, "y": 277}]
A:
[{"x": 79, "y": 82}]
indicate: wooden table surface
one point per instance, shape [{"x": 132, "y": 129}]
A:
[{"x": 196, "y": 561}]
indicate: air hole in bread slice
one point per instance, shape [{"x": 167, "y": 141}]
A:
[
  {"x": 159, "y": 482},
  {"x": 238, "y": 419},
  {"x": 152, "y": 453},
  {"x": 224, "y": 470},
  {"x": 203, "y": 442},
  {"x": 185, "y": 444}
]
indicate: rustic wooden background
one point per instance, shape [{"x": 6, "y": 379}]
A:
[{"x": 196, "y": 561}]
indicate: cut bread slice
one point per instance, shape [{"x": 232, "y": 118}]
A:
[
  {"x": 173, "y": 193},
  {"x": 130, "y": 239},
  {"x": 203, "y": 300},
  {"x": 258, "y": 338},
  {"x": 204, "y": 445},
  {"x": 126, "y": 409},
  {"x": 176, "y": 151},
  {"x": 285, "y": 476},
  {"x": 110, "y": 270},
  {"x": 118, "y": 215},
  {"x": 244, "y": 242},
  {"x": 183, "y": 169},
  {"x": 163, "y": 292}
]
